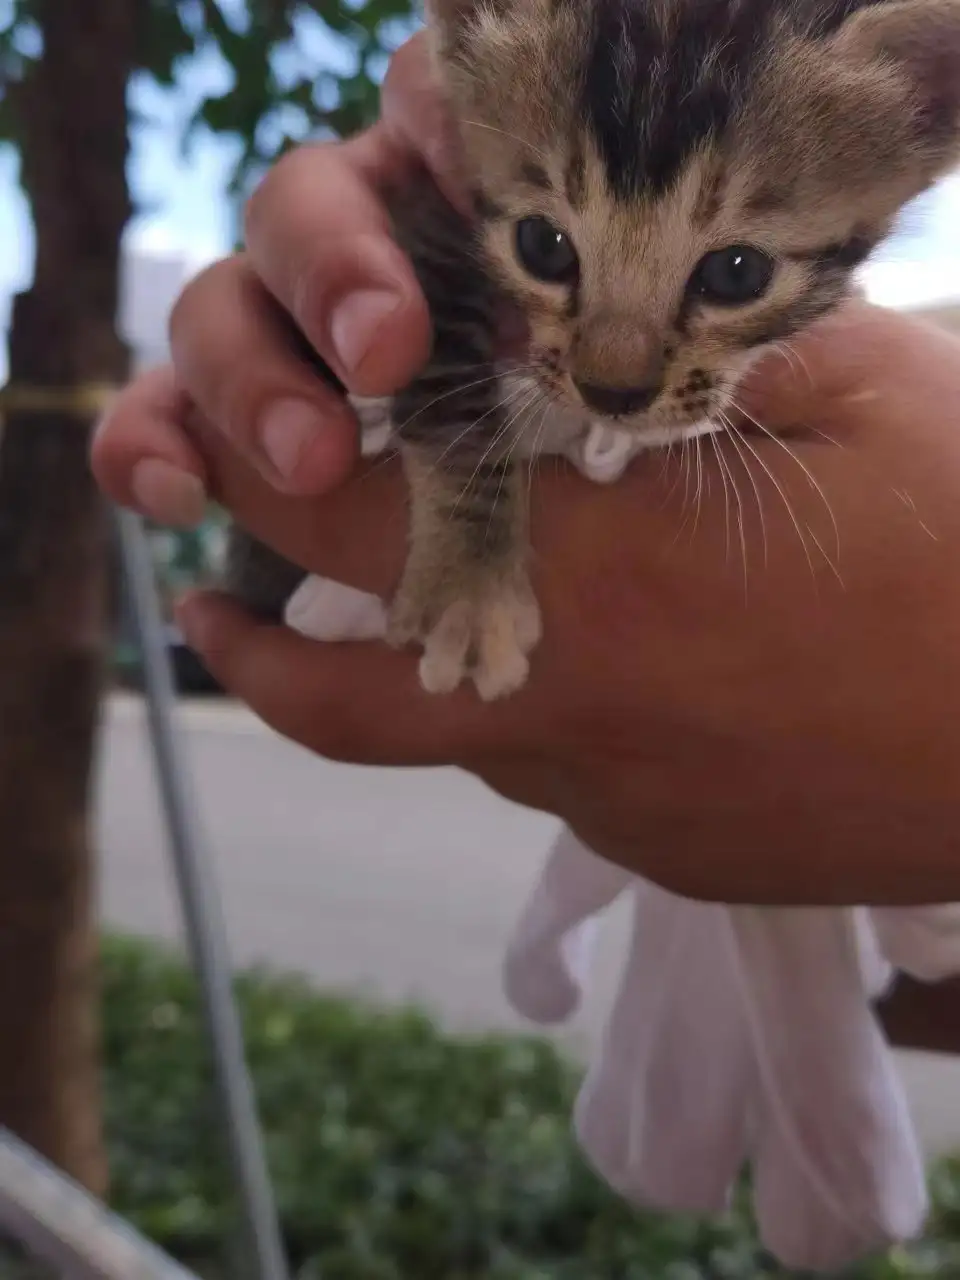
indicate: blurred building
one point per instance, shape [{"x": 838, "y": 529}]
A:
[
  {"x": 150, "y": 283},
  {"x": 149, "y": 288}
]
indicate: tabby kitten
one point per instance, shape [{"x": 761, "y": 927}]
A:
[{"x": 663, "y": 187}]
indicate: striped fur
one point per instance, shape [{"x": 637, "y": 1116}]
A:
[{"x": 465, "y": 590}]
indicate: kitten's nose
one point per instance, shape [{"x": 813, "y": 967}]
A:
[{"x": 615, "y": 401}]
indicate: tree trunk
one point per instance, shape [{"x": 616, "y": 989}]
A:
[{"x": 72, "y": 128}]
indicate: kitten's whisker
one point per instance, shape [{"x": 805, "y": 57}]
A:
[
  {"x": 667, "y": 451},
  {"x": 536, "y": 450},
  {"x": 504, "y": 133},
  {"x": 734, "y": 434},
  {"x": 504, "y": 402},
  {"x": 677, "y": 478},
  {"x": 927, "y": 530},
  {"x": 445, "y": 395},
  {"x": 498, "y": 436},
  {"x": 530, "y": 409},
  {"x": 803, "y": 467},
  {"x": 900, "y": 494},
  {"x": 823, "y": 436},
  {"x": 699, "y": 495},
  {"x": 686, "y": 471},
  {"x": 378, "y": 461},
  {"x": 518, "y": 434},
  {"x": 740, "y": 529},
  {"x": 392, "y": 449},
  {"x": 681, "y": 475},
  {"x": 721, "y": 463},
  {"x": 834, "y": 568},
  {"x": 911, "y": 506},
  {"x": 695, "y": 449},
  {"x": 790, "y": 350},
  {"x": 786, "y": 502},
  {"x": 782, "y": 349}
]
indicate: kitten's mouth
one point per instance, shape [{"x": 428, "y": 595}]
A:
[{"x": 683, "y": 413}]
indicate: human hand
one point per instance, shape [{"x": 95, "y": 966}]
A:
[
  {"x": 319, "y": 250},
  {"x": 762, "y": 733}
]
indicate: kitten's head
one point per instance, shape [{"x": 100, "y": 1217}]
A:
[{"x": 666, "y": 186}]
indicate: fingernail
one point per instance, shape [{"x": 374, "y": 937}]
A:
[
  {"x": 289, "y": 428},
  {"x": 357, "y": 321},
  {"x": 168, "y": 494}
]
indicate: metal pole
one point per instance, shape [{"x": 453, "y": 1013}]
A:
[
  {"x": 200, "y": 902},
  {"x": 60, "y": 1223}
]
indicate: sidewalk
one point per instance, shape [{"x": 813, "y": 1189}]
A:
[{"x": 402, "y": 884}]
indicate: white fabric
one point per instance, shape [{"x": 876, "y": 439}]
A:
[
  {"x": 738, "y": 1035},
  {"x": 744, "y": 1034}
]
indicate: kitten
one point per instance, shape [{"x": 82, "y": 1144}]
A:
[{"x": 663, "y": 187}]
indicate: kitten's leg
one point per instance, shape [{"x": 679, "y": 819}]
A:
[
  {"x": 258, "y": 577},
  {"x": 465, "y": 592},
  {"x": 261, "y": 579}
]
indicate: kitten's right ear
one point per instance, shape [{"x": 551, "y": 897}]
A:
[
  {"x": 453, "y": 20},
  {"x": 919, "y": 40},
  {"x": 450, "y": 18}
]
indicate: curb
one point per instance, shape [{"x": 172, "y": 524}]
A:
[{"x": 212, "y": 715}]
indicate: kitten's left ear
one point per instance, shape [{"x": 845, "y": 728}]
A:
[{"x": 920, "y": 41}]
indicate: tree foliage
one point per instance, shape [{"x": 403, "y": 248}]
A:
[{"x": 297, "y": 67}]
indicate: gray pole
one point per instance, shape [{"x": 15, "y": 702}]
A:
[
  {"x": 200, "y": 902},
  {"x": 60, "y": 1223}
]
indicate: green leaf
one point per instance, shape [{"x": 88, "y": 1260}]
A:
[
  {"x": 262, "y": 43},
  {"x": 398, "y": 1150},
  {"x": 166, "y": 38}
]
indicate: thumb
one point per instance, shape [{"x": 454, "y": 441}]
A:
[{"x": 356, "y": 702}]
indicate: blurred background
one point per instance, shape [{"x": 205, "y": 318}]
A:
[{"x": 413, "y": 1128}]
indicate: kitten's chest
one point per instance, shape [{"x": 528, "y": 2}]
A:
[{"x": 551, "y": 429}]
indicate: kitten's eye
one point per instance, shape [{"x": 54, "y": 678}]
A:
[
  {"x": 734, "y": 275},
  {"x": 546, "y": 252}
]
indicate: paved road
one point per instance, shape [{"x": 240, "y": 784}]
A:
[{"x": 400, "y": 884}]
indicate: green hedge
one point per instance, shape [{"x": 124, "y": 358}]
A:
[{"x": 399, "y": 1152}]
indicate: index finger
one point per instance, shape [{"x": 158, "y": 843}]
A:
[{"x": 320, "y": 240}]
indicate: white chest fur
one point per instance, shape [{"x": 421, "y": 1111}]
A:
[{"x": 598, "y": 450}]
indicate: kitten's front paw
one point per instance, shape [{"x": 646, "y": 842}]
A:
[{"x": 484, "y": 631}]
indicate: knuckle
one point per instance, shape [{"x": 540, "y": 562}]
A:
[
  {"x": 283, "y": 183},
  {"x": 208, "y": 357},
  {"x": 103, "y": 445},
  {"x": 257, "y": 206},
  {"x": 409, "y": 64},
  {"x": 191, "y": 301},
  {"x": 126, "y": 429}
]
